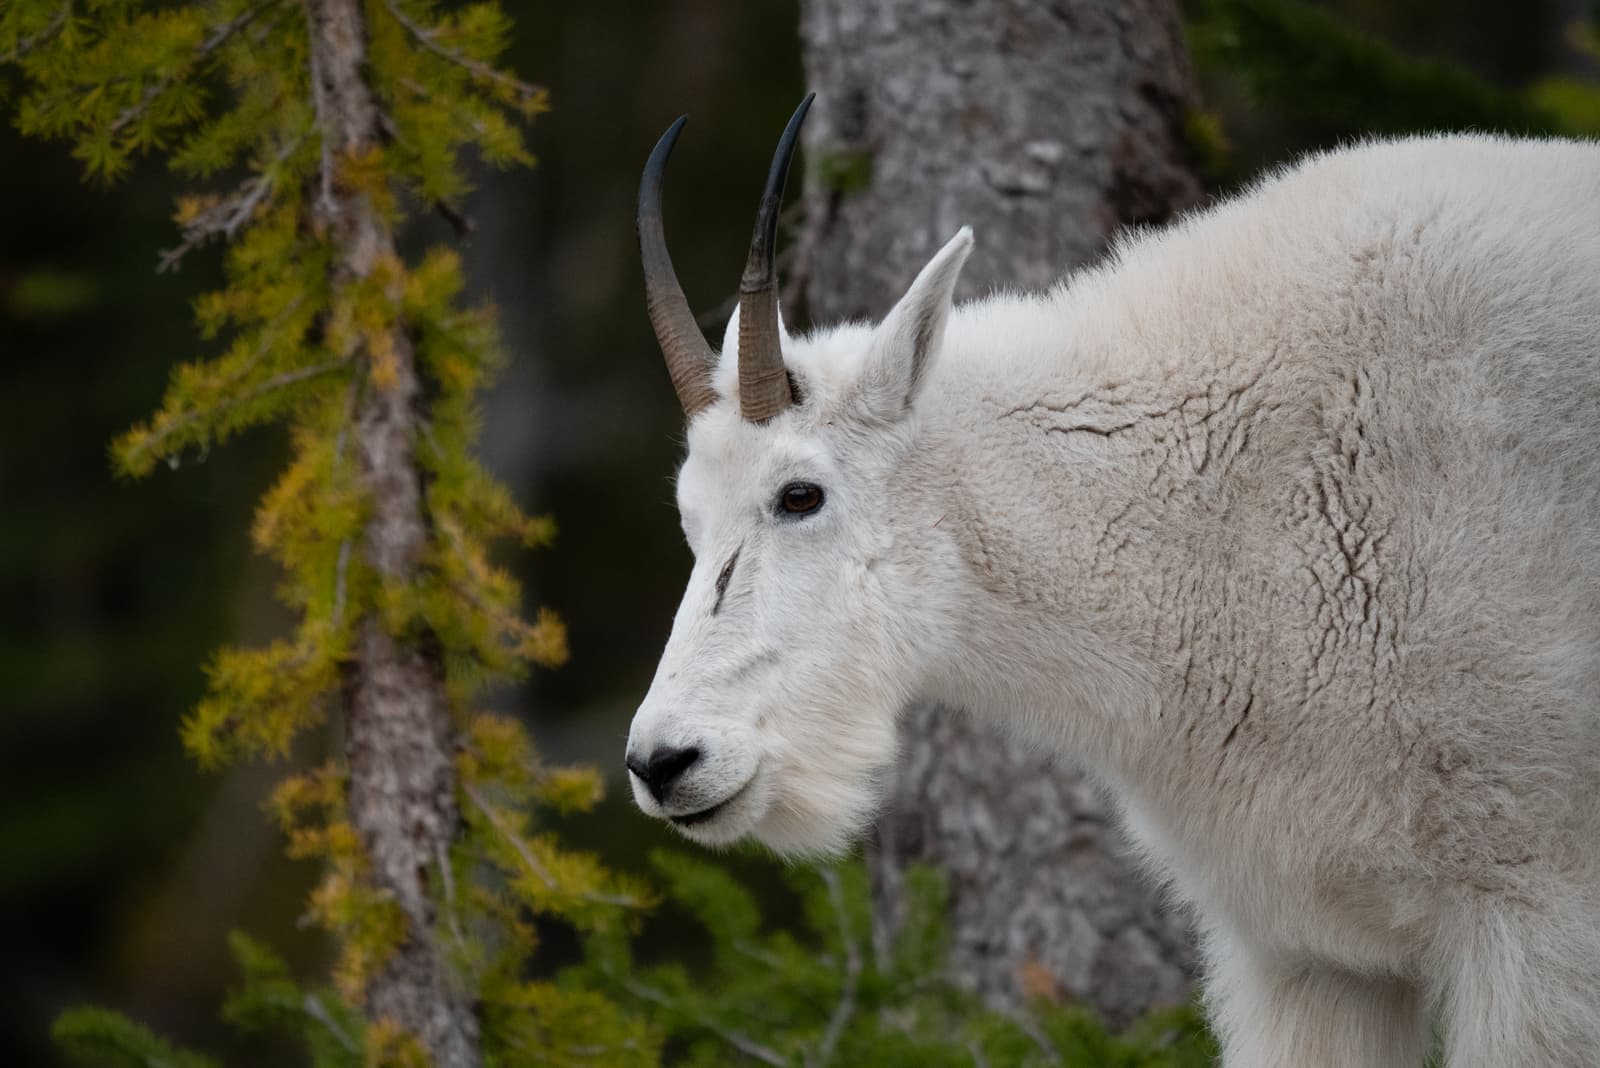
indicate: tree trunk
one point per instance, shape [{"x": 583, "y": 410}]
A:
[
  {"x": 402, "y": 797},
  {"x": 1045, "y": 125}
]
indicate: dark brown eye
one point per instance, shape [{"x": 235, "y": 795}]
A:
[{"x": 800, "y": 498}]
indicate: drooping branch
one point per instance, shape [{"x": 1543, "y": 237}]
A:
[
  {"x": 213, "y": 41},
  {"x": 318, "y": 1011},
  {"x": 158, "y": 436},
  {"x": 463, "y": 224},
  {"x": 737, "y": 1039},
  {"x": 27, "y": 44},
  {"x": 229, "y": 214},
  {"x": 533, "y": 864},
  {"x": 429, "y": 39}
]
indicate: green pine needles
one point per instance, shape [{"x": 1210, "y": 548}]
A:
[
  {"x": 1335, "y": 82},
  {"x": 825, "y": 991},
  {"x": 319, "y": 324}
]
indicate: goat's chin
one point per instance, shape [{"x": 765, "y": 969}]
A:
[
  {"x": 795, "y": 832},
  {"x": 820, "y": 825},
  {"x": 799, "y": 810}
]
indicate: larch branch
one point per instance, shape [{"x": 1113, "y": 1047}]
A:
[
  {"x": 276, "y": 382},
  {"x": 213, "y": 41},
  {"x": 739, "y": 1041},
  {"x": 428, "y": 39},
  {"x": 846, "y": 1008},
  {"x": 228, "y": 215},
  {"x": 319, "y": 1012},
  {"x": 28, "y": 44},
  {"x": 532, "y": 862}
]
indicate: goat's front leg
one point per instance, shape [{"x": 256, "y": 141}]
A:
[
  {"x": 1520, "y": 981},
  {"x": 1271, "y": 1013}
]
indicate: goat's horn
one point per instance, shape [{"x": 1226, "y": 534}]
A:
[
  {"x": 763, "y": 382},
  {"x": 689, "y": 358}
]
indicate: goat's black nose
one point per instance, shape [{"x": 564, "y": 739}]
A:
[{"x": 662, "y": 769}]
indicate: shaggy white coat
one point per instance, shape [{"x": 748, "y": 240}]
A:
[{"x": 1285, "y": 522}]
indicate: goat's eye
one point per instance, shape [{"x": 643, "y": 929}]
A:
[{"x": 799, "y": 498}]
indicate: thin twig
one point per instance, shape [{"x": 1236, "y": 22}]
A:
[
  {"x": 463, "y": 224},
  {"x": 28, "y": 44},
  {"x": 427, "y": 39},
  {"x": 1029, "y": 1025},
  {"x": 217, "y": 38},
  {"x": 852, "y": 974},
  {"x": 288, "y": 378},
  {"x": 319, "y": 1012},
  {"x": 757, "y": 954},
  {"x": 457, "y": 112},
  {"x": 231, "y": 212},
  {"x": 340, "y": 572},
  {"x": 539, "y": 1052},
  {"x": 510, "y": 622},
  {"x": 351, "y": 395},
  {"x": 533, "y": 863},
  {"x": 224, "y": 218},
  {"x": 741, "y": 1042},
  {"x": 449, "y": 880},
  {"x": 597, "y": 1050}
]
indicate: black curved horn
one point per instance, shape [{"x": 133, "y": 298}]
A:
[
  {"x": 763, "y": 381},
  {"x": 689, "y": 358}
]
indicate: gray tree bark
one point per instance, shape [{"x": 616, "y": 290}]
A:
[
  {"x": 1046, "y": 126},
  {"x": 398, "y": 732}
]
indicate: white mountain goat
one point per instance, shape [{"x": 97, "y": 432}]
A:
[{"x": 1285, "y": 521}]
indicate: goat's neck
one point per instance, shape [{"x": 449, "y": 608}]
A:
[{"x": 1072, "y": 513}]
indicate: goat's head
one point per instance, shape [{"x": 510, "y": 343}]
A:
[{"x": 809, "y": 615}]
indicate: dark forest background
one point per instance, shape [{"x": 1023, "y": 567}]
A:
[{"x": 121, "y": 866}]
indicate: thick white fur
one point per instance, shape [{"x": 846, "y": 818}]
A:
[{"x": 1285, "y": 522}]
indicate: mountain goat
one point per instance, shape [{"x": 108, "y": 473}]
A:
[{"x": 1284, "y": 521}]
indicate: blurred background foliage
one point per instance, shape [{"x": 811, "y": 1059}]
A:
[{"x": 121, "y": 867}]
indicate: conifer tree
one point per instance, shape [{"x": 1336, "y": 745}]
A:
[{"x": 344, "y": 117}]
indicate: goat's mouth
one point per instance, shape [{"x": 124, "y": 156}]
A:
[
  {"x": 699, "y": 817},
  {"x": 692, "y": 819}
]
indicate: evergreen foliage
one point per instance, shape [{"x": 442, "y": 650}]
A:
[
  {"x": 1574, "y": 102},
  {"x": 270, "y": 1000},
  {"x": 95, "y": 1036},
  {"x": 825, "y": 992},
  {"x": 1337, "y": 82},
  {"x": 1333, "y": 83},
  {"x": 225, "y": 87},
  {"x": 813, "y": 993}
]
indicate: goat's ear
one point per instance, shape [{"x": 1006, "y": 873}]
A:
[{"x": 905, "y": 344}]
